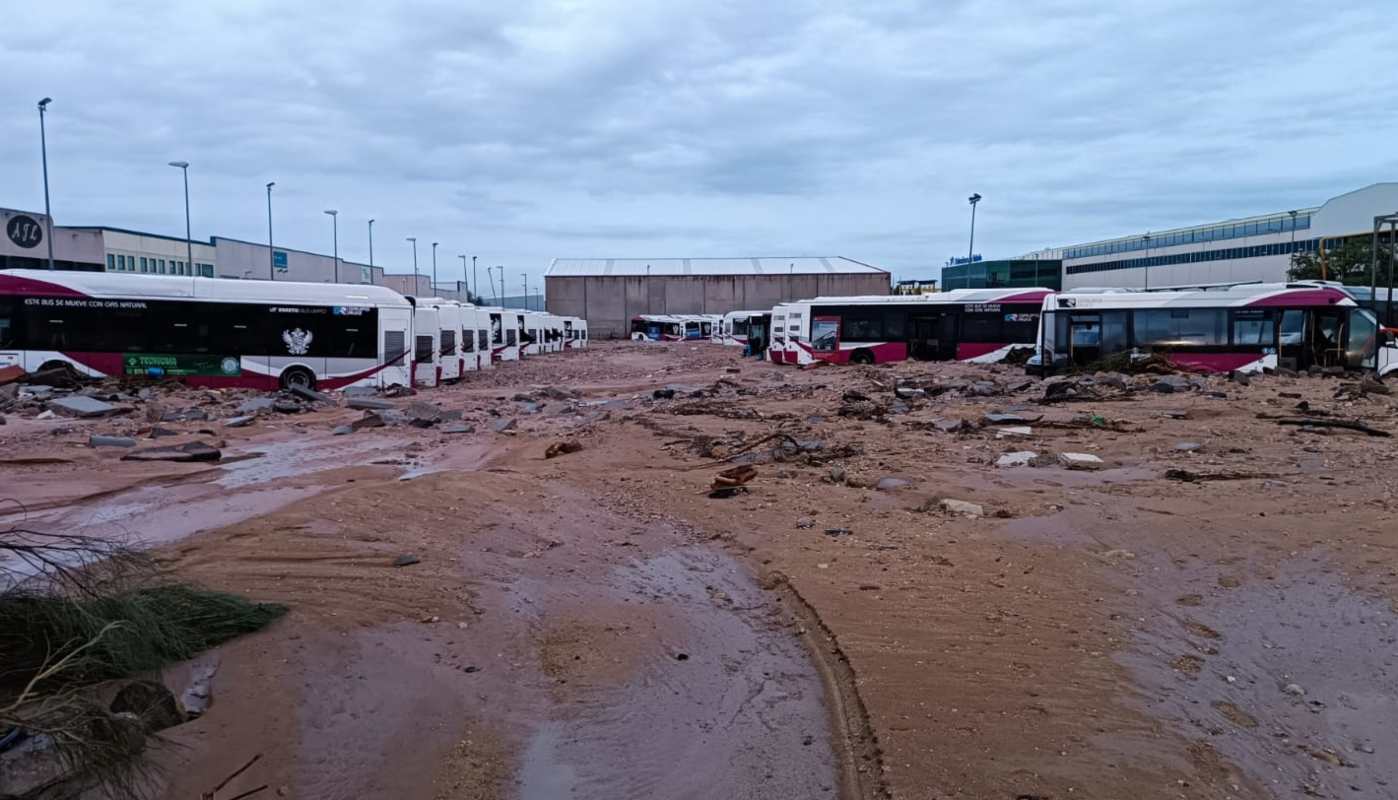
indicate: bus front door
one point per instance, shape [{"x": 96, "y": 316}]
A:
[
  {"x": 1327, "y": 340},
  {"x": 1085, "y": 339},
  {"x": 934, "y": 337}
]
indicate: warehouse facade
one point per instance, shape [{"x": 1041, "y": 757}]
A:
[{"x": 608, "y": 292}]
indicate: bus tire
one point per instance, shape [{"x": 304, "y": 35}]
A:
[
  {"x": 298, "y": 376},
  {"x": 862, "y": 356}
]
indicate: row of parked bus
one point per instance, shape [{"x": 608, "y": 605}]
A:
[
  {"x": 1245, "y": 327},
  {"x": 260, "y": 334}
]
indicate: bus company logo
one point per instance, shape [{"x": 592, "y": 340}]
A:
[
  {"x": 24, "y": 231},
  {"x": 298, "y": 341},
  {"x": 230, "y": 366}
]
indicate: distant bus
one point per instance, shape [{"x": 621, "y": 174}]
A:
[
  {"x": 427, "y": 337},
  {"x": 504, "y": 333},
  {"x": 205, "y": 331},
  {"x": 574, "y": 333},
  {"x": 1247, "y": 328},
  {"x": 475, "y": 338},
  {"x": 980, "y": 325},
  {"x": 733, "y": 330}
]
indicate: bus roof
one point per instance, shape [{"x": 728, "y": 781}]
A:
[
  {"x": 174, "y": 287},
  {"x": 1262, "y": 295},
  {"x": 953, "y": 297}
]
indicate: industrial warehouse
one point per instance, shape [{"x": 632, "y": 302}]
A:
[{"x": 608, "y": 292}]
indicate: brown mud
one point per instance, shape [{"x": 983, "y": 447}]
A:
[{"x": 597, "y": 626}]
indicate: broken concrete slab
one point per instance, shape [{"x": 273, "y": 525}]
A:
[
  {"x": 1080, "y": 461},
  {"x": 1010, "y": 419},
  {"x": 1019, "y": 458},
  {"x": 458, "y": 427},
  {"x": 81, "y": 407},
  {"x": 406, "y": 560},
  {"x": 368, "y": 404},
  {"x": 311, "y": 395},
  {"x": 962, "y": 507},
  {"x": 952, "y": 425},
  {"x": 909, "y": 393},
  {"x": 256, "y": 405},
  {"x": 287, "y": 407},
  {"x": 503, "y": 425},
  {"x": 239, "y": 422},
  {"x": 193, "y": 451},
  {"x": 1188, "y": 447},
  {"x": 342, "y": 430},
  {"x": 1014, "y": 431},
  {"x": 890, "y": 483},
  {"x": 369, "y": 420},
  {"x": 110, "y": 441}
]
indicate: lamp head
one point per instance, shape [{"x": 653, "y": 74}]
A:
[
  {"x": 180, "y": 164},
  {"x": 43, "y": 104}
]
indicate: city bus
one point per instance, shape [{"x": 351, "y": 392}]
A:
[
  {"x": 427, "y": 338},
  {"x": 449, "y": 361},
  {"x": 733, "y": 330},
  {"x": 504, "y": 333},
  {"x": 574, "y": 333},
  {"x": 205, "y": 331},
  {"x": 1244, "y": 328},
  {"x": 657, "y": 327},
  {"x": 475, "y": 337},
  {"x": 978, "y": 325}
]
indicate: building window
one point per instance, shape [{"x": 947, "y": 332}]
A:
[
  {"x": 111, "y": 263},
  {"x": 162, "y": 266}
]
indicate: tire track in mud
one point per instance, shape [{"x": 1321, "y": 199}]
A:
[{"x": 855, "y": 741}]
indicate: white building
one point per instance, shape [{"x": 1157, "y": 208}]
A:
[
  {"x": 153, "y": 254},
  {"x": 1255, "y": 248}
]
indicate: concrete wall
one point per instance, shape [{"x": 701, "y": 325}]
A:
[{"x": 608, "y": 303}]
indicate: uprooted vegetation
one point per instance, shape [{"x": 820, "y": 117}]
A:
[{"x": 79, "y": 616}]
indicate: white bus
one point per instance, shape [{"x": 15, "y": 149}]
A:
[
  {"x": 675, "y": 327},
  {"x": 449, "y": 358},
  {"x": 475, "y": 338},
  {"x": 205, "y": 331},
  {"x": 554, "y": 338},
  {"x": 734, "y": 329},
  {"x": 504, "y": 333},
  {"x": 1244, "y": 328},
  {"x": 980, "y": 325},
  {"x": 574, "y": 333},
  {"x": 427, "y": 338}
]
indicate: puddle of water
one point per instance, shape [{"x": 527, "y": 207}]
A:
[{"x": 728, "y": 706}]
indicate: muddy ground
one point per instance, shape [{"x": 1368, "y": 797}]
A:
[{"x": 1207, "y": 613}]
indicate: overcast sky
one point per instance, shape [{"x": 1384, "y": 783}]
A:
[{"x": 520, "y": 131}]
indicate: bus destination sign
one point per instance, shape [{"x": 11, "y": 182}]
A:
[{"x": 181, "y": 366}]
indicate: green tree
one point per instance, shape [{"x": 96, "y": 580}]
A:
[{"x": 1351, "y": 263}]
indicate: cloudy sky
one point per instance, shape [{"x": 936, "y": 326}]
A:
[{"x": 520, "y": 131}]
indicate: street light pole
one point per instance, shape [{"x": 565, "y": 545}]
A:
[
  {"x": 335, "y": 227},
  {"x": 413, "y": 239},
  {"x": 271, "y": 259},
  {"x": 502, "y": 282},
  {"x": 490, "y": 278},
  {"x": 188, "y": 241},
  {"x": 474, "y": 281},
  {"x": 1147, "y": 262},
  {"x": 524, "y": 280},
  {"x": 434, "y": 269},
  {"x": 971, "y": 251},
  {"x": 463, "y": 276},
  {"x": 44, "y": 154},
  {"x": 371, "y": 249}
]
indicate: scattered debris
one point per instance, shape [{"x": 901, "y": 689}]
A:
[
  {"x": 663, "y": 394},
  {"x": 406, "y": 560},
  {"x": 562, "y": 448},
  {"x": 458, "y": 427},
  {"x": 1012, "y": 431},
  {"x": 193, "y": 451},
  {"x": 1348, "y": 425},
  {"x": 1188, "y": 447},
  {"x": 962, "y": 507},
  {"x": 838, "y": 531},
  {"x": 111, "y": 441},
  {"x": 1199, "y": 477},
  {"x": 891, "y": 483},
  {"x": 82, "y": 407},
  {"x": 1019, "y": 458},
  {"x": 1085, "y": 461},
  {"x": 731, "y": 481},
  {"x": 368, "y": 404},
  {"x": 504, "y": 425},
  {"x": 240, "y": 422}
]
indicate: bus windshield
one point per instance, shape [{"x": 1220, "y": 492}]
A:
[{"x": 1363, "y": 341}]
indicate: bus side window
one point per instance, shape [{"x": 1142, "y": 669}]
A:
[
  {"x": 394, "y": 346},
  {"x": 422, "y": 353},
  {"x": 482, "y": 338},
  {"x": 510, "y": 337}
]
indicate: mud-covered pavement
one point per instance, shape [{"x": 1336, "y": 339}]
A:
[{"x": 1208, "y": 613}]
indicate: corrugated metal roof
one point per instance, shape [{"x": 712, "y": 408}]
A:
[{"x": 629, "y": 267}]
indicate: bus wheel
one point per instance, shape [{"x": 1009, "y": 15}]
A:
[
  {"x": 862, "y": 357},
  {"x": 298, "y": 376}
]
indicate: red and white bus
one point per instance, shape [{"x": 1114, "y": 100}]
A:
[
  {"x": 574, "y": 333},
  {"x": 205, "y": 331},
  {"x": 733, "y": 330},
  {"x": 475, "y": 338},
  {"x": 980, "y": 325},
  {"x": 505, "y": 327},
  {"x": 427, "y": 338},
  {"x": 1247, "y": 328}
]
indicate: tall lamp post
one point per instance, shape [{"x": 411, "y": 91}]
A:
[
  {"x": 44, "y": 154},
  {"x": 434, "y": 269},
  {"x": 463, "y": 276},
  {"x": 413, "y": 239},
  {"x": 188, "y": 241},
  {"x": 335, "y": 227},
  {"x": 490, "y": 278},
  {"x": 271, "y": 258},
  {"x": 371, "y": 249},
  {"x": 1147, "y": 261},
  {"x": 502, "y": 282},
  {"x": 524, "y": 281},
  {"x": 474, "y": 281},
  {"x": 971, "y": 251}
]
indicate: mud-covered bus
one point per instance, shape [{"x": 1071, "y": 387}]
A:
[
  {"x": 205, "y": 331},
  {"x": 427, "y": 342},
  {"x": 1245, "y": 328},
  {"x": 504, "y": 333},
  {"x": 980, "y": 325},
  {"x": 733, "y": 331}
]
